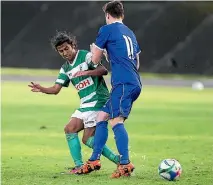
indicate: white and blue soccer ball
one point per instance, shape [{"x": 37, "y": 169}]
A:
[{"x": 170, "y": 169}]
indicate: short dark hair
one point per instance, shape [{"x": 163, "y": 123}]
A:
[
  {"x": 114, "y": 8},
  {"x": 62, "y": 37}
]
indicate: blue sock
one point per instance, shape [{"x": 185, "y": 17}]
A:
[
  {"x": 121, "y": 139},
  {"x": 100, "y": 139}
]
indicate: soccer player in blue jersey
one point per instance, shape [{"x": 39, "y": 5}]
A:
[{"x": 123, "y": 53}]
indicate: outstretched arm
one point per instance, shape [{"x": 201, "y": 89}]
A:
[
  {"x": 55, "y": 89},
  {"x": 99, "y": 71}
]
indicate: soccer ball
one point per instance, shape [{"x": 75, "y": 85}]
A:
[{"x": 170, "y": 169}]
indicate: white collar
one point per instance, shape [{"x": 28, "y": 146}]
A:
[{"x": 117, "y": 21}]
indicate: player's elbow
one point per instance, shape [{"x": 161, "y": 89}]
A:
[
  {"x": 105, "y": 72},
  {"x": 56, "y": 91}
]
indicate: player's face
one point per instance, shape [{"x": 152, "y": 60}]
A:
[{"x": 66, "y": 51}]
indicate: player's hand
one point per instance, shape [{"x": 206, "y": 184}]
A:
[
  {"x": 35, "y": 87},
  {"x": 80, "y": 73}
]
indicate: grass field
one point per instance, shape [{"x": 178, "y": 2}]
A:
[{"x": 165, "y": 123}]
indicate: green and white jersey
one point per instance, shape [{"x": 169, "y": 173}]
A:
[{"x": 92, "y": 90}]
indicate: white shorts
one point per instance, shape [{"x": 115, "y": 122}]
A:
[{"x": 88, "y": 117}]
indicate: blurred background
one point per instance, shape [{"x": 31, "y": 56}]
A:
[{"x": 176, "y": 37}]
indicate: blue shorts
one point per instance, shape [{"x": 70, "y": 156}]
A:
[{"x": 121, "y": 99}]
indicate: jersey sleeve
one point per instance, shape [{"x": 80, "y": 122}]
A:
[
  {"x": 102, "y": 38},
  {"x": 89, "y": 62},
  {"x": 62, "y": 79}
]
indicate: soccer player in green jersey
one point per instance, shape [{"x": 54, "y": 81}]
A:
[{"x": 88, "y": 80}]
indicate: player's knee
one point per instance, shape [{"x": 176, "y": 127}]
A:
[
  {"x": 74, "y": 126},
  {"x": 66, "y": 128},
  {"x": 102, "y": 116},
  {"x": 70, "y": 128},
  {"x": 115, "y": 121}
]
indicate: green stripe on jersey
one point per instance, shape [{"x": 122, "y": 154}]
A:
[{"x": 92, "y": 90}]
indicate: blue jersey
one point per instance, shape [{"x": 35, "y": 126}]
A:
[{"x": 122, "y": 48}]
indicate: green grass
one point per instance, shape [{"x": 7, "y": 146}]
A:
[
  {"x": 48, "y": 72},
  {"x": 165, "y": 123}
]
